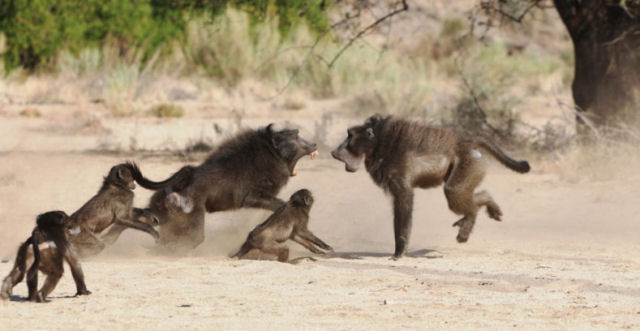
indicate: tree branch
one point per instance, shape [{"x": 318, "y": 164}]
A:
[{"x": 404, "y": 7}]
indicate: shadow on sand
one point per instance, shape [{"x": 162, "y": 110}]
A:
[{"x": 421, "y": 253}]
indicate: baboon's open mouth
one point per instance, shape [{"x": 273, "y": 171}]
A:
[{"x": 313, "y": 155}]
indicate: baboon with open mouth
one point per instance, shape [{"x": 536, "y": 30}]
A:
[
  {"x": 400, "y": 155},
  {"x": 247, "y": 170}
]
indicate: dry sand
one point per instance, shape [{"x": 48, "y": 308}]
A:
[{"x": 566, "y": 256}]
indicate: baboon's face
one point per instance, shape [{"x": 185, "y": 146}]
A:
[
  {"x": 302, "y": 198},
  {"x": 360, "y": 142},
  {"x": 290, "y": 146},
  {"x": 121, "y": 175}
]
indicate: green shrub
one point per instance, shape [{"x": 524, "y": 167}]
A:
[
  {"x": 120, "y": 88},
  {"x": 37, "y": 30},
  {"x": 166, "y": 110}
]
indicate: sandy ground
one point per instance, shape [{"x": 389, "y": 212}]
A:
[{"x": 566, "y": 255}]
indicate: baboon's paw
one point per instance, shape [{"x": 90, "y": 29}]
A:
[
  {"x": 462, "y": 238},
  {"x": 495, "y": 213}
]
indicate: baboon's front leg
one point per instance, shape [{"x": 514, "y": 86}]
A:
[
  {"x": 76, "y": 272},
  {"x": 308, "y": 235},
  {"x": 246, "y": 247},
  {"x": 135, "y": 224},
  {"x": 307, "y": 244},
  {"x": 402, "y": 210},
  {"x": 264, "y": 203},
  {"x": 145, "y": 215}
]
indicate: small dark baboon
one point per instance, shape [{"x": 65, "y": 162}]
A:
[
  {"x": 400, "y": 155},
  {"x": 111, "y": 207},
  {"x": 47, "y": 247},
  {"x": 247, "y": 170},
  {"x": 287, "y": 222}
]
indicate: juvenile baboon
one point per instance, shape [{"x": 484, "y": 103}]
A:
[
  {"x": 287, "y": 222},
  {"x": 247, "y": 170},
  {"x": 111, "y": 207},
  {"x": 400, "y": 155},
  {"x": 45, "y": 249}
]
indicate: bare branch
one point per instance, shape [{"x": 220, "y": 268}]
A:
[{"x": 404, "y": 7}]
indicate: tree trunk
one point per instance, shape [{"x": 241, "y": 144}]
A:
[{"x": 606, "y": 40}]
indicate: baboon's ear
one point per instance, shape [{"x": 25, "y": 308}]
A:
[
  {"x": 120, "y": 174},
  {"x": 270, "y": 128},
  {"x": 307, "y": 200},
  {"x": 374, "y": 119},
  {"x": 370, "y": 133}
]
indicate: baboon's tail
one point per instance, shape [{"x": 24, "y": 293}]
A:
[
  {"x": 179, "y": 180},
  {"x": 518, "y": 166},
  {"x": 33, "y": 271}
]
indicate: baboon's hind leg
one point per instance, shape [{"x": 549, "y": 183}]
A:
[
  {"x": 277, "y": 249},
  {"x": 49, "y": 284},
  {"x": 459, "y": 189},
  {"x": 15, "y": 276},
  {"x": 483, "y": 198}
]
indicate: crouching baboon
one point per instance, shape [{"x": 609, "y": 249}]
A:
[
  {"x": 287, "y": 222},
  {"x": 45, "y": 249},
  {"x": 112, "y": 207},
  {"x": 400, "y": 155},
  {"x": 247, "y": 170}
]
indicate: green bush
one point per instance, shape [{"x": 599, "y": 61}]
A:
[
  {"x": 166, "y": 110},
  {"x": 37, "y": 30}
]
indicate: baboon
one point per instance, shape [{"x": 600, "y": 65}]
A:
[
  {"x": 46, "y": 248},
  {"x": 400, "y": 155},
  {"x": 112, "y": 207},
  {"x": 247, "y": 170},
  {"x": 287, "y": 222}
]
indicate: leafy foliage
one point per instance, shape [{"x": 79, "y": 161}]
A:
[{"x": 38, "y": 30}]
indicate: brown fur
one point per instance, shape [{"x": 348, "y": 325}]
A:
[
  {"x": 50, "y": 228},
  {"x": 400, "y": 155},
  {"x": 111, "y": 207},
  {"x": 287, "y": 222},
  {"x": 247, "y": 170}
]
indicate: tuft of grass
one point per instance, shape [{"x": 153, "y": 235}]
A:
[
  {"x": 166, "y": 110},
  {"x": 30, "y": 113},
  {"x": 87, "y": 61},
  {"x": 120, "y": 87},
  {"x": 3, "y": 48}
]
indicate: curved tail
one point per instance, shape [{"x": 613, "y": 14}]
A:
[
  {"x": 179, "y": 180},
  {"x": 518, "y": 166},
  {"x": 33, "y": 270}
]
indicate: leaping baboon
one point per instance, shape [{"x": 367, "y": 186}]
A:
[
  {"x": 247, "y": 170},
  {"x": 45, "y": 250},
  {"x": 400, "y": 155},
  {"x": 288, "y": 222},
  {"x": 112, "y": 207}
]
